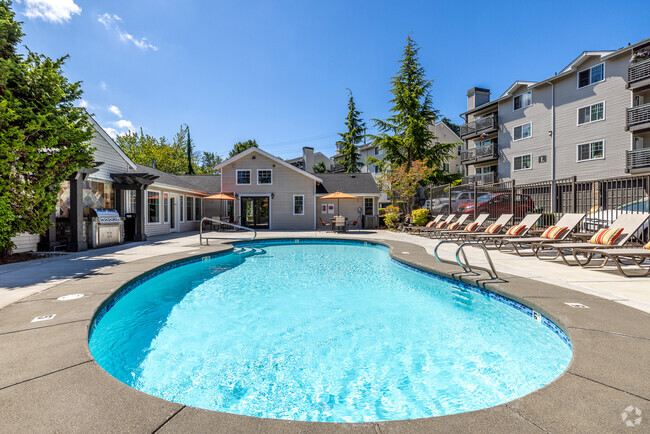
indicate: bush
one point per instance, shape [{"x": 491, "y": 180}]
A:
[
  {"x": 6, "y": 229},
  {"x": 420, "y": 216},
  {"x": 391, "y": 219},
  {"x": 391, "y": 208},
  {"x": 381, "y": 211}
]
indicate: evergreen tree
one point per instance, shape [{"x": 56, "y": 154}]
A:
[
  {"x": 353, "y": 136},
  {"x": 43, "y": 137},
  {"x": 320, "y": 167},
  {"x": 406, "y": 136},
  {"x": 240, "y": 147}
]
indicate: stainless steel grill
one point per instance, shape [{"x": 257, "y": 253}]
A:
[{"x": 105, "y": 227}]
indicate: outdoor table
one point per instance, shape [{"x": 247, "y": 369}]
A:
[{"x": 581, "y": 237}]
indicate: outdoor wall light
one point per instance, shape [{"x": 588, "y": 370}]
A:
[
  {"x": 550, "y": 133},
  {"x": 272, "y": 195}
]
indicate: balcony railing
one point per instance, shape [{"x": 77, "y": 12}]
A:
[
  {"x": 478, "y": 126},
  {"x": 638, "y": 115},
  {"x": 637, "y": 159},
  {"x": 483, "y": 178},
  {"x": 480, "y": 153},
  {"x": 638, "y": 71}
]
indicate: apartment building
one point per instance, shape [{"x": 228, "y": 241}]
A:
[{"x": 591, "y": 120}]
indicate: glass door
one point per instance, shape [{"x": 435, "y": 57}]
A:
[{"x": 255, "y": 212}]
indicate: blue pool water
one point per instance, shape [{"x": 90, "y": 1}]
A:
[{"x": 316, "y": 331}]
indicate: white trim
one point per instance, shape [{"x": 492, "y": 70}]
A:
[
  {"x": 165, "y": 208},
  {"x": 522, "y": 132},
  {"x": 177, "y": 219},
  {"x": 270, "y": 157},
  {"x": 578, "y": 160},
  {"x": 159, "y": 207},
  {"x": 250, "y": 176},
  {"x": 521, "y": 95},
  {"x": 522, "y": 156},
  {"x": 294, "y": 204},
  {"x": 257, "y": 176},
  {"x": 589, "y": 121},
  {"x": 591, "y": 83}
]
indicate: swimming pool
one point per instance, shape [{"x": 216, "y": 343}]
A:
[{"x": 322, "y": 331}]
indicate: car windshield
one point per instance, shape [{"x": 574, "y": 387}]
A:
[
  {"x": 637, "y": 205},
  {"x": 486, "y": 198}
]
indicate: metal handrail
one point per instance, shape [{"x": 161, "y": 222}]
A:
[
  {"x": 445, "y": 261},
  {"x": 202, "y": 237},
  {"x": 492, "y": 272}
]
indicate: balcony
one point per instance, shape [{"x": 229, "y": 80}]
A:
[
  {"x": 483, "y": 178},
  {"x": 484, "y": 125},
  {"x": 479, "y": 154},
  {"x": 638, "y": 118},
  {"x": 638, "y": 74},
  {"x": 637, "y": 159}
]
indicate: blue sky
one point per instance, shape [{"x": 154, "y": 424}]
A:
[{"x": 277, "y": 71}]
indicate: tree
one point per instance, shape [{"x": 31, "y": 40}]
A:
[
  {"x": 349, "y": 139},
  {"x": 405, "y": 136},
  {"x": 240, "y": 147},
  {"x": 150, "y": 151},
  {"x": 454, "y": 127},
  {"x": 402, "y": 182},
  {"x": 206, "y": 163},
  {"x": 43, "y": 137},
  {"x": 320, "y": 167}
]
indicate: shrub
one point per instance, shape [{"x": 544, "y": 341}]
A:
[
  {"x": 392, "y": 208},
  {"x": 381, "y": 211},
  {"x": 420, "y": 216},
  {"x": 6, "y": 230},
  {"x": 391, "y": 220}
]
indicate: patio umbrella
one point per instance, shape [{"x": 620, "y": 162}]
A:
[
  {"x": 222, "y": 197},
  {"x": 338, "y": 196}
]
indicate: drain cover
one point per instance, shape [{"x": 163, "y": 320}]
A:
[
  {"x": 44, "y": 318},
  {"x": 577, "y": 305},
  {"x": 70, "y": 297}
]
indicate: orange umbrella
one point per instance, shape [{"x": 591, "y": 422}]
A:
[
  {"x": 220, "y": 196},
  {"x": 338, "y": 196}
]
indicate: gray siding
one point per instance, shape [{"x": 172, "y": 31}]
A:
[{"x": 25, "y": 243}]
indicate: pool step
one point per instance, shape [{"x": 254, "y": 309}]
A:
[{"x": 248, "y": 251}]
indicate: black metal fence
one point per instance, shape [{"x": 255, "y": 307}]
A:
[{"x": 603, "y": 200}]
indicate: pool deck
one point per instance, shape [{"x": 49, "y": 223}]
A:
[{"x": 49, "y": 381}]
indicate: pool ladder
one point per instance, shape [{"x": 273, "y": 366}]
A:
[{"x": 464, "y": 262}]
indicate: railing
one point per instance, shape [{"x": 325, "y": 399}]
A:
[
  {"x": 483, "y": 178},
  {"x": 207, "y": 242},
  {"x": 637, "y": 159},
  {"x": 467, "y": 268},
  {"x": 638, "y": 71},
  {"x": 480, "y": 153},
  {"x": 638, "y": 115},
  {"x": 475, "y": 127}
]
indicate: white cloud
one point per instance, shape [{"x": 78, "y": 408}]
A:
[
  {"x": 83, "y": 103},
  {"x": 115, "y": 110},
  {"x": 110, "y": 21},
  {"x": 121, "y": 128},
  {"x": 124, "y": 124},
  {"x": 103, "y": 85},
  {"x": 111, "y": 132},
  {"x": 55, "y": 11}
]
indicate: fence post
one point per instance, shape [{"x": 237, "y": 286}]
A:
[
  {"x": 512, "y": 197},
  {"x": 450, "y": 209},
  {"x": 555, "y": 199},
  {"x": 475, "y": 200},
  {"x": 574, "y": 194}
]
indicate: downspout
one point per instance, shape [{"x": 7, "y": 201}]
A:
[{"x": 552, "y": 131}]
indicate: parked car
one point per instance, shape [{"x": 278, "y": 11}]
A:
[
  {"x": 499, "y": 203},
  {"x": 441, "y": 205},
  {"x": 599, "y": 218}
]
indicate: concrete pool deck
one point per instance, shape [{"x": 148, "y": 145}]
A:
[{"x": 50, "y": 382}]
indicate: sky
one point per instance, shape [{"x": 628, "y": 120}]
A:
[{"x": 278, "y": 71}]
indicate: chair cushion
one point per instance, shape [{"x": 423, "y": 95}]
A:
[
  {"x": 430, "y": 224},
  {"x": 453, "y": 226},
  {"x": 606, "y": 237},
  {"x": 516, "y": 230},
  {"x": 441, "y": 225},
  {"x": 554, "y": 232},
  {"x": 471, "y": 227},
  {"x": 493, "y": 228}
]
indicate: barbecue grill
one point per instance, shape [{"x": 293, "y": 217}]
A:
[{"x": 105, "y": 227}]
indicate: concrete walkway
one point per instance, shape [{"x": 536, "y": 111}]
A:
[{"x": 18, "y": 281}]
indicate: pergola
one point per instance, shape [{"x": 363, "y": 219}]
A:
[{"x": 138, "y": 182}]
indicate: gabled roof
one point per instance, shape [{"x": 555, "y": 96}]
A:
[
  {"x": 352, "y": 183},
  {"x": 270, "y": 157},
  {"x": 516, "y": 85},
  {"x": 583, "y": 57},
  {"x": 110, "y": 140}
]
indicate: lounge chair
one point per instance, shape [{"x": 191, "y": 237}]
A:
[
  {"x": 451, "y": 226},
  {"x": 443, "y": 224},
  {"x": 497, "y": 226},
  {"x": 515, "y": 231},
  {"x": 628, "y": 223},
  {"x": 570, "y": 221},
  {"x": 417, "y": 229},
  {"x": 637, "y": 255},
  {"x": 471, "y": 227}
]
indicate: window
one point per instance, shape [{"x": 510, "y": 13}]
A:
[
  {"x": 197, "y": 208},
  {"x": 368, "y": 206},
  {"x": 459, "y": 149},
  {"x": 591, "y": 113},
  {"x": 376, "y": 150},
  {"x": 243, "y": 177},
  {"x": 189, "y": 208},
  {"x": 264, "y": 176},
  {"x": 153, "y": 207},
  {"x": 591, "y": 75},
  {"x": 298, "y": 204},
  {"x": 445, "y": 167},
  {"x": 523, "y": 131},
  {"x": 522, "y": 101},
  {"x": 166, "y": 208},
  {"x": 591, "y": 151},
  {"x": 376, "y": 168},
  {"x": 181, "y": 209},
  {"x": 523, "y": 162}
]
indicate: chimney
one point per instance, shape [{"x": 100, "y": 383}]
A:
[
  {"x": 477, "y": 96},
  {"x": 308, "y": 158}
]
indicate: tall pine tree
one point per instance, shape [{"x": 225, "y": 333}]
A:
[
  {"x": 407, "y": 135},
  {"x": 43, "y": 137},
  {"x": 353, "y": 136}
]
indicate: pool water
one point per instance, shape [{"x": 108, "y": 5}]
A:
[{"x": 317, "y": 331}]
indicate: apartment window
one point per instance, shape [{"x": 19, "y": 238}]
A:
[
  {"x": 376, "y": 150},
  {"x": 265, "y": 176},
  {"x": 166, "y": 208},
  {"x": 153, "y": 206},
  {"x": 298, "y": 204},
  {"x": 591, "y": 151},
  {"x": 197, "y": 208},
  {"x": 522, "y": 101},
  {"x": 523, "y": 131},
  {"x": 459, "y": 149},
  {"x": 181, "y": 209},
  {"x": 189, "y": 208},
  {"x": 368, "y": 206},
  {"x": 376, "y": 168},
  {"x": 243, "y": 177},
  {"x": 591, "y": 75},
  {"x": 445, "y": 167},
  {"x": 486, "y": 143},
  {"x": 523, "y": 162},
  {"x": 591, "y": 113}
]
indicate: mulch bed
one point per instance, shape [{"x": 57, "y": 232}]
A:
[{"x": 19, "y": 257}]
